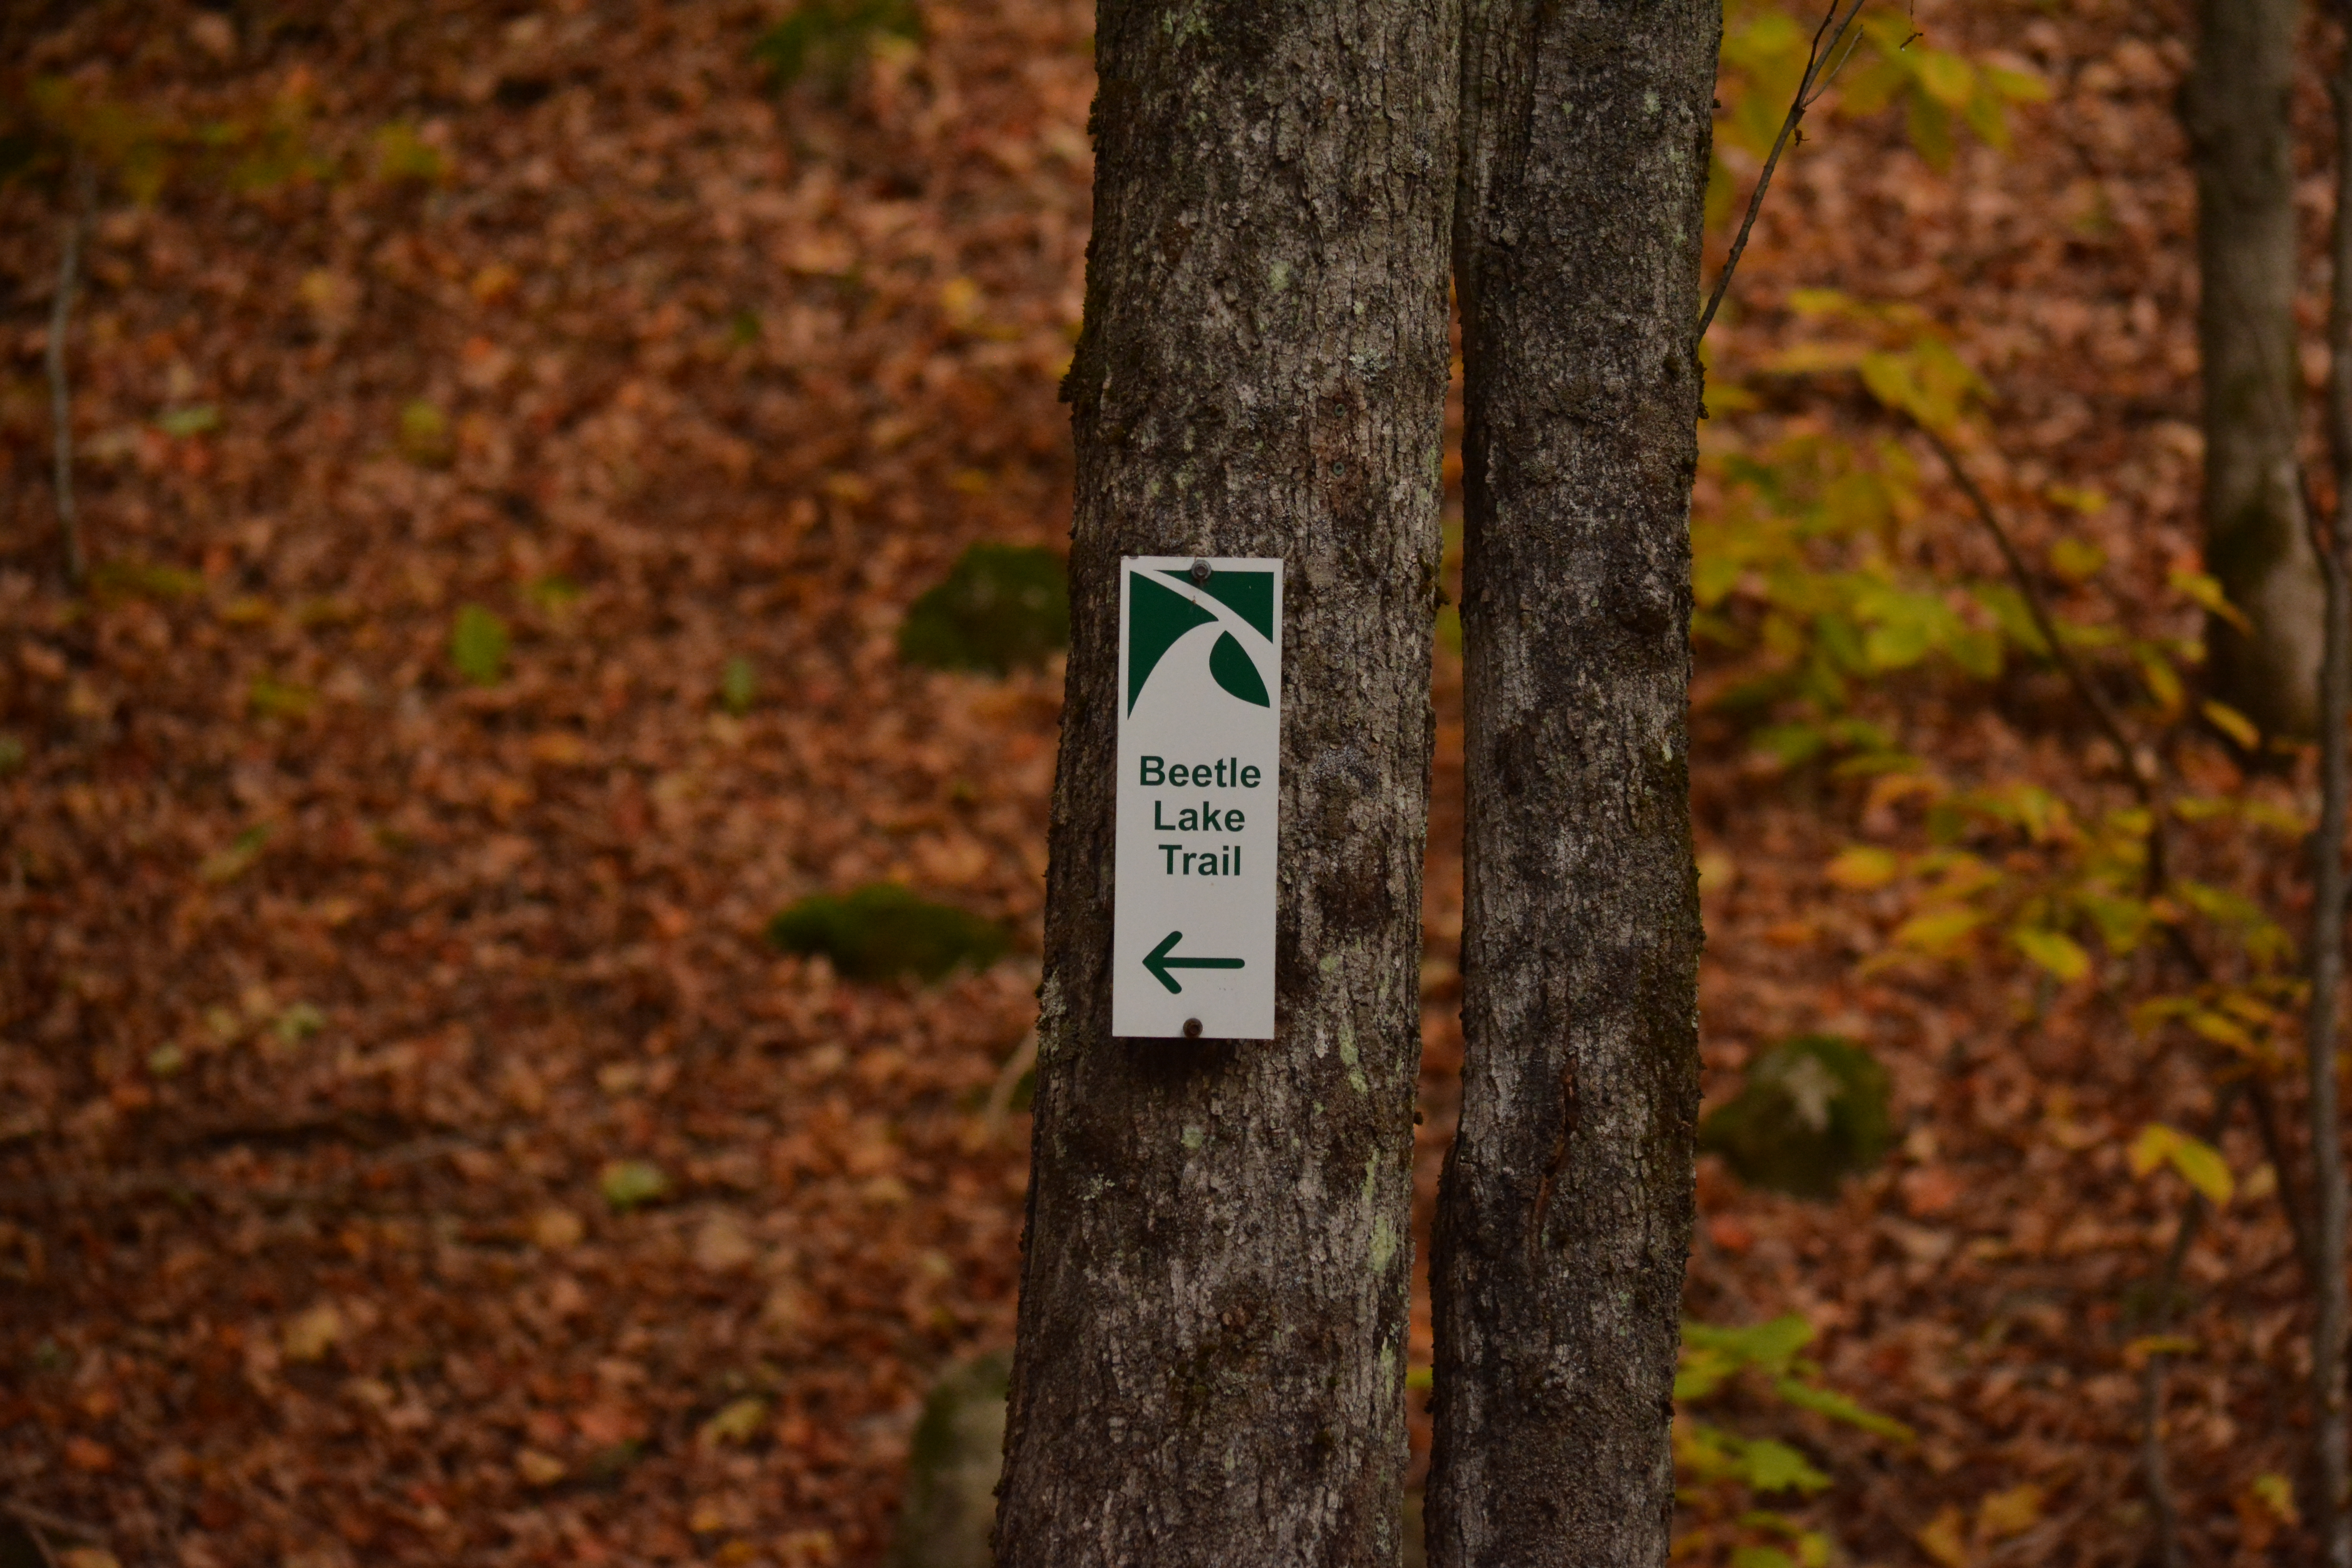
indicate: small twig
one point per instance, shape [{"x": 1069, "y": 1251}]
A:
[
  {"x": 2103, "y": 713},
  {"x": 60, "y": 391},
  {"x": 2040, "y": 1543},
  {"x": 167, "y": 1184},
  {"x": 2275, "y": 1149},
  {"x": 40, "y": 1524},
  {"x": 1819, "y": 71},
  {"x": 2151, "y": 1420},
  {"x": 40, "y": 1540},
  {"x": 2151, "y": 1377},
  {"x": 2079, "y": 679},
  {"x": 991, "y": 1121}
]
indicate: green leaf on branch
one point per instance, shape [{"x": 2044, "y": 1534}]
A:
[
  {"x": 1759, "y": 1464},
  {"x": 1838, "y": 1407},
  {"x": 2054, "y": 953},
  {"x": 1712, "y": 1354},
  {"x": 2198, "y": 1162},
  {"x": 2233, "y": 723},
  {"x": 1939, "y": 931},
  {"x": 2200, "y": 588}
]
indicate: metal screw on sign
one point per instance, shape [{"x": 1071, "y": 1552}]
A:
[
  {"x": 1191, "y": 1028},
  {"x": 1200, "y": 572}
]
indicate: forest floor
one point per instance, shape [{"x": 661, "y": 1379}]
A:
[{"x": 410, "y": 1149}]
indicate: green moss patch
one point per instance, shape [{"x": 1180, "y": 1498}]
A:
[
  {"x": 882, "y": 930},
  {"x": 827, "y": 37},
  {"x": 1000, "y": 607},
  {"x": 1812, "y": 1112},
  {"x": 952, "y": 1466}
]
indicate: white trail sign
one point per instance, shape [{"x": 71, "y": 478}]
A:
[{"x": 1200, "y": 745}]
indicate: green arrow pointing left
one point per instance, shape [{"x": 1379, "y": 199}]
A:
[{"x": 1160, "y": 964}]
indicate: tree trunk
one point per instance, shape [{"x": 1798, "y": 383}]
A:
[
  {"x": 1565, "y": 1212},
  {"x": 2332, "y": 1312},
  {"x": 2234, "y": 106},
  {"x": 1210, "y": 1359}
]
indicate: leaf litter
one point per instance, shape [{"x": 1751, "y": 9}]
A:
[{"x": 508, "y": 469}]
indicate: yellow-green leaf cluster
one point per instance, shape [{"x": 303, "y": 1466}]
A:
[
  {"x": 1885, "y": 65},
  {"x": 2198, "y": 1162},
  {"x": 1721, "y": 1475},
  {"x": 1938, "y": 90}
]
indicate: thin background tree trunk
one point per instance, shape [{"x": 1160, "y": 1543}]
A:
[
  {"x": 1211, "y": 1347},
  {"x": 83, "y": 192},
  {"x": 1565, "y": 1212},
  {"x": 2234, "y": 106},
  {"x": 2332, "y": 1429}
]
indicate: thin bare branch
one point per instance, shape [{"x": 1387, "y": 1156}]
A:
[
  {"x": 989, "y": 1123},
  {"x": 130, "y": 1185},
  {"x": 2102, "y": 712},
  {"x": 2154, "y": 1474},
  {"x": 76, "y": 226},
  {"x": 2275, "y": 1150},
  {"x": 40, "y": 1540},
  {"x": 40, "y": 1524},
  {"x": 1822, "y": 62}
]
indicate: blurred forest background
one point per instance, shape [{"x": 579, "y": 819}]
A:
[{"x": 523, "y": 811}]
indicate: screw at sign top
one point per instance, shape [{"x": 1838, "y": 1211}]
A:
[{"x": 1199, "y": 572}]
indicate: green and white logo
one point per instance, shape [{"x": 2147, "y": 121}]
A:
[
  {"x": 1159, "y": 614},
  {"x": 1200, "y": 733}
]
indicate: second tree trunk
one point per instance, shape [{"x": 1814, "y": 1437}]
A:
[
  {"x": 1565, "y": 1212},
  {"x": 2256, "y": 543}
]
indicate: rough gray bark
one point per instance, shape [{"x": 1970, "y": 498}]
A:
[
  {"x": 2234, "y": 106},
  {"x": 1565, "y": 1212},
  {"x": 1211, "y": 1347}
]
